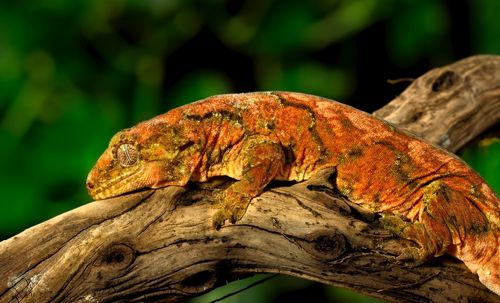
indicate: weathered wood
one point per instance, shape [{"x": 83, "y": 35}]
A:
[
  {"x": 451, "y": 105},
  {"x": 155, "y": 245}
]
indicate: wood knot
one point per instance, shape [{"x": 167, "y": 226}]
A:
[
  {"x": 328, "y": 246},
  {"x": 112, "y": 262},
  {"x": 117, "y": 256},
  {"x": 196, "y": 282},
  {"x": 205, "y": 278},
  {"x": 445, "y": 81}
]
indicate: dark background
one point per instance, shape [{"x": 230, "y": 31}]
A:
[{"x": 72, "y": 73}]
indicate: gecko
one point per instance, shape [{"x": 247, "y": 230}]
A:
[{"x": 424, "y": 193}]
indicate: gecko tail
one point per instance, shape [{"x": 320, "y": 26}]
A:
[
  {"x": 481, "y": 255},
  {"x": 491, "y": 278}
]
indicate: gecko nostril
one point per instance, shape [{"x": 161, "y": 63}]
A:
[{"x": 90, "y": 185}]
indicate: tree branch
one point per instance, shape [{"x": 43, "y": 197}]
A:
[
  {"x": 452, "y": 105},
  {"x": 159, "y": 244}
]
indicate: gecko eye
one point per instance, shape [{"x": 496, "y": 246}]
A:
[{"x": 127, "y": 155}]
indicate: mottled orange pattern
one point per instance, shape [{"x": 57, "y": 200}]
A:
[{"x": 423, "y": 192}]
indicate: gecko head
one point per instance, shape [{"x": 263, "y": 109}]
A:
[{"x": 149, "y": 155}]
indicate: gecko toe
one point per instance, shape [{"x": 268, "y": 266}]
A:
[
  {"x": 223, "y": 215},
  {"x": 233, "y": 219},
  {"x": 218, "y": 219}
]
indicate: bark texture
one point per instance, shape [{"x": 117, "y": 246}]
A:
[
  {"x": 452, "y": 105},
  {"x": 159, "y": 246}
]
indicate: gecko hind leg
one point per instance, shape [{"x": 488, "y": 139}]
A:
[
  {"x": 256, "y": 164},
  {"x": 413, "y": 231},
  {"x": 433, "y": 231}
]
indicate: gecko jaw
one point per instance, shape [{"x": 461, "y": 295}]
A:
[{"x": 114, "y": 186}]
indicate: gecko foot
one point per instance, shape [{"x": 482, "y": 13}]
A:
[
  {"x": 415, "y": 232},
  {"x": 231, "y": 207}
]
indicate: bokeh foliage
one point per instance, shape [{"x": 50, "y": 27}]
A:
[{"x": 72, "y": 73}]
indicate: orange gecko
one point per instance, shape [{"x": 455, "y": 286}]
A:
[{"x": 423, "y": 192}]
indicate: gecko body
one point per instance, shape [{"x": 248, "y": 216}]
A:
[{"x": 425, "y": 194}]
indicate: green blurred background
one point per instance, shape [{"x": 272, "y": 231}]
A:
[{"x": 72, "y": 73}]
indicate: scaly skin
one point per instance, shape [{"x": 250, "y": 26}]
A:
[{"x": 424, "y": 193}]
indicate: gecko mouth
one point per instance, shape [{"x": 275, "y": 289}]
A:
[{"x": 117, "y": 185}]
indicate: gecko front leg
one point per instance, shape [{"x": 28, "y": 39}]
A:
[{"x": 257, "y": 163}]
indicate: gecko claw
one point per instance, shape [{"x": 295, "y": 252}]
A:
[{"x": 218, "y": 219}]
